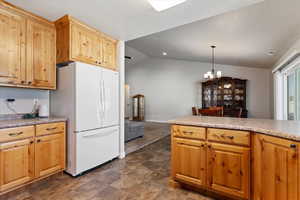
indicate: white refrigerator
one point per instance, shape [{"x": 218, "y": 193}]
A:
[{"x": 89, "y": 97}]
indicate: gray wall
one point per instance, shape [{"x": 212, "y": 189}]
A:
[
  {"x": 24, "y": 99},
  {"x": 172, "y": 87}
]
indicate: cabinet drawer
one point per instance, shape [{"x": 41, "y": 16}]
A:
[
  {"x": 229, "y": 136},
  {"x": 189, "y": 132},
  {"x": 52, "y": 128},
  {"x": 17, "y": 133}
]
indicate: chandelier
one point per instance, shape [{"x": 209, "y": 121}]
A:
[{"x": 212, "y": 74}]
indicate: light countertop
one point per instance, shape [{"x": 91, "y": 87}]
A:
[
  {"x": 280, "y": 128},
  {"x": 10, "y": 123}
]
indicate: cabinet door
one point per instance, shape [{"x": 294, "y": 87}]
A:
[
  {"x": 189, "y": 161},
  {"x": 16, "y": 163},
  {"x": 12, "y": 49},
  {"x": 85, "y": 44},
  {"x": 41, "y": 55},
  {"x": 49, "y": 154},
  {"x": 275, "y": 169},
  {"x": 109, "y": 54},
  {"x": 228, "y": 169}
]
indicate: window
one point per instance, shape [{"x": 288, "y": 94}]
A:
[
  {"x": 291, "y": 77},
  {"x": 287, "y": 91}
]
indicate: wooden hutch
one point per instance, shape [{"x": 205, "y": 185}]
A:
[{"x": 230, "y": 93}]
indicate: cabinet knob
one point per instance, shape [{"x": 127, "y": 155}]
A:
[
  {"x": 29, "y": 82},
  {"x": 293, "y": 146},
  {"x": 38, "y": 140}
]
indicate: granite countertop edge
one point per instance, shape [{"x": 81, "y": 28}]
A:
[
  {"x": 12, "y": 123},
  {"x": 291, "y": 135}
]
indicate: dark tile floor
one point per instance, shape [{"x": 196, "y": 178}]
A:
[
  {"x": 142, "y": 175},
  {"x": 152, "y": 133}
]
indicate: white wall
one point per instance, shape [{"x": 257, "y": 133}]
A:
[
  {"x": 24, "y": 99},
  {"x": 172, "y": 87}
]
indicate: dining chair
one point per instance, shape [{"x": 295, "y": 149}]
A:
[{"x": 194, "y": 111}]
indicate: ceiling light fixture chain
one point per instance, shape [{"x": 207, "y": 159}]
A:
[{"x": 211, "y": 74}]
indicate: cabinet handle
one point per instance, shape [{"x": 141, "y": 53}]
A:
[
  {"x": 188, "y": 132},
  {"x": 39, "y": 140},
  {"x": 15, "y": 134},
  {"x": 22, "y": 82},
  {"x": 31, "y": 142},
  {"x": 293, "y": 146},
  {"x": 51, "y": 129},
  {"x": 29, "y": 82},
  {"x": 231, "y": 137}
]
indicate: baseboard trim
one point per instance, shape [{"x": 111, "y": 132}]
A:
[
  {"x": 157, "y": 121},
  {"x": 122, "y": 155}
]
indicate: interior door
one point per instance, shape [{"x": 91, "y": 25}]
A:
[
  {"x": 275, "y": 168},
  {"x": 228, "y": 169},
  {"x": 12, "y": 41},
  {"x": 190, "y": 162},
  {"x": 16, "y": 163},
  {"x": 41, "y": 55},
  {"x": 49, "y": 154},
  {"x": 89, "y": 103},
  {"x": 110, "y": 91}
]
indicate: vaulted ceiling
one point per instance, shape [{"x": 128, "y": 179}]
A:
[
  {"x": 243, "y": 37},
  {"x": 130, "y": 19}
]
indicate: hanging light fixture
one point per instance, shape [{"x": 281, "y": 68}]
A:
[{"x": 212, "y": 74}]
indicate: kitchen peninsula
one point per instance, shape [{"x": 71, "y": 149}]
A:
[{"x": 235, "y": 157}]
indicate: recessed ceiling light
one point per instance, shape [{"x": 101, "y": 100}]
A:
[
  {"x": 160, "y": 5},
  {"x": 165, "y": 53},
  {"x": 271, "y": 53}
]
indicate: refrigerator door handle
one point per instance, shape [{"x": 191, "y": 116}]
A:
[
  {"x": 100, "y": 103},
  {"x": 104, "y": 100},
  {"x": 99, "y": 134}
]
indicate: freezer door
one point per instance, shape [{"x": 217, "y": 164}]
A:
[
  {"x": 88, "y": 97},
  {"x": 110, "y": 88},
  {"x": 96, "y": 147}
]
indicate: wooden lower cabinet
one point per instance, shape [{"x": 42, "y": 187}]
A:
[
  {"x": 25, "y": 157},
  {"x": 189, "y": 165},
  {"x": 275, "y": 168},
  {"x": 16, "y": 163},
  {"x": 263, "y": 168},
  {"x": 48, "y": 156},
  {"x": 228, "y": 169}
]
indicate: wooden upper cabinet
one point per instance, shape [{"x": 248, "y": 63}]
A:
[
  {"x": 16, "y": 163},
  {"x": 228, "y": 169},
  {"x": 109, "y": 53},
  {"x": 84, "y": 44},
  {"x": 12, "y": 49},
  {"x": 49, "y": 154},
  {"x": 27, "y": 49},
  {"x": 275, "y": 168},
  {"x": 78, "y": 42},
  {"x": 41, "y": 55},
  {"x": 189, "y": 165}
]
